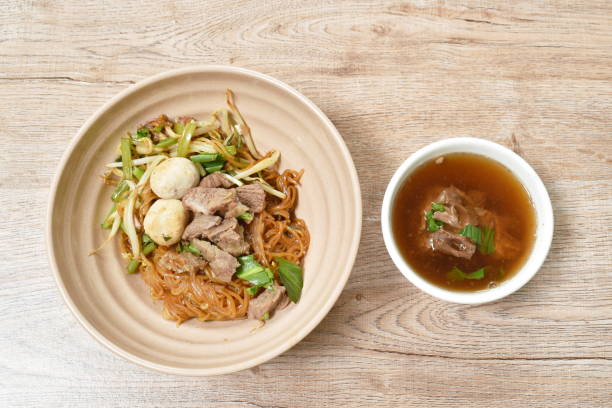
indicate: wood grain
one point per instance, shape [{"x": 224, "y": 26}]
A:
[{"x": 393, "y": 76}]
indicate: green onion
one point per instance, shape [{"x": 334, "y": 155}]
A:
[
  {"x": 167, "y": 142},
  {"x": 148, "y": 248},
  {"x": 119, "y": 193},
  {"x": 488, "y": 241},
  {"x": 142, "y": 132},
  {"x": 253, "y": 290},
  {"x": 192, "y": 249},
  {"x": 250, "y": 270},
  {"x": 158, "y": 128},
  {"x": 126, "y": 158},
  {"x": 138, "y": 172},
  {"x": 200, "y": 169},
  {"x": 457, "y": 274},
  {"x": 179, "y": 248},
  {"x": 291, "y": 276},
  {"x": 484, "y": 238},
  {"x": 432, "y": 224},
  {"x": 438, "y": 207},
  {"x": 266, "y": 316},
  {"x": 183, "y": 146},
  {"x": 231, "y": 150},
  {"x": 247, "y": 216},
  {"x": 203, "y": 158},
  {"x": 133, "y": 266},
  {"x": 108, "y": 222},
  {"x": 473, "y": 233},
  {"x": 146, "y": 239},
  {"x": 167, "y": 238},
  {"x": 178, "y": 128},
  {"x": 214, "y": 168},
  {"x": 260, "y": 165}
]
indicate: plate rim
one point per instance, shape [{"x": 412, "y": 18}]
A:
[{"x": 301, "y": 332}]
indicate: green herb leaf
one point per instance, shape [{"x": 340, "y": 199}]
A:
[
  {"x": 291, "y": 276},
  {"x": 250, "y": 270},
  {"x": 142, "y": 132},
  {"x": 437, "y": 207},
  {"x": 457, "y": 274},
  {"x": 472, "y": 232},
  {"x": 253, "y": 290},
  {"x": 167, "y": 238},
  {"x": 432, "y": 224},
  {"x": 488, "y": 241},
  {"x": 265, "y": 316}
]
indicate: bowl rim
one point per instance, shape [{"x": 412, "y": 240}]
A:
[
  {"x": 303, "y": 331},
  {"x": 519, "y": 168}
]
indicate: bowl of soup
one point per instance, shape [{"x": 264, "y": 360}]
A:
[{"x": 467, "y": 220}]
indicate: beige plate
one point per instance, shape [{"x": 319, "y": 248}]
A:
[{"x": 116, "y": 308}]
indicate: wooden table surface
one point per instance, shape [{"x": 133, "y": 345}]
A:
[{"x": 393, "y": 76}]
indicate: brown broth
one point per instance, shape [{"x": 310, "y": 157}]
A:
[{"x": 505, "y": 196}]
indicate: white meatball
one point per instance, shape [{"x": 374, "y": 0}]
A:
[
  {"x": 165, "y": 221},
  {"x": 173, "y": 177}
]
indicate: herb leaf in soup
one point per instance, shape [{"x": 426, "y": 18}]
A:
[
  {"x": 488, "y": 241},
  {"x": 438, "y": 207},
  {"x": 484, "y": 238},
  {"x": 432, "y": 224},
  {"x": 457, "y": 274},
  {"x": 472, "y": 232}
]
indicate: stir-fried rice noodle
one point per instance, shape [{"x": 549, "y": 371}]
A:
[{"x": 274, "y": 232}]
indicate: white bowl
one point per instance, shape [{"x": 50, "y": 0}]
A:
[{"x": 528, "y": 178}]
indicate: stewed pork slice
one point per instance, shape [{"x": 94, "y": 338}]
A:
[
  {"x": 222, "y": 264},
  {"x": 209, "y": 201},
  {"x": 452, "y": 244},
  {"x": 184, "y": 262},
  {"x": 253, "y": 196},
  {"x": 215, "y": 180},
  {"x": 266, "y": 302},
  {"x": 200, "y": 224}
]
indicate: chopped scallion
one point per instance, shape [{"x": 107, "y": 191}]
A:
[
  {"x": 133, "y": 266},
  {"x": 167, "y": 142},
  {"x": 192, "y": 249},
  {"x": 126, "y": 157},
  {"x": 204, "y": 158},
  {"x": 183, "y": 146},
  {"x": 138, "y": 172},
  {"x": 148, "y": 248},
  {"x": 247, "y": 216},
  {"x": 120, "y": 191}
]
